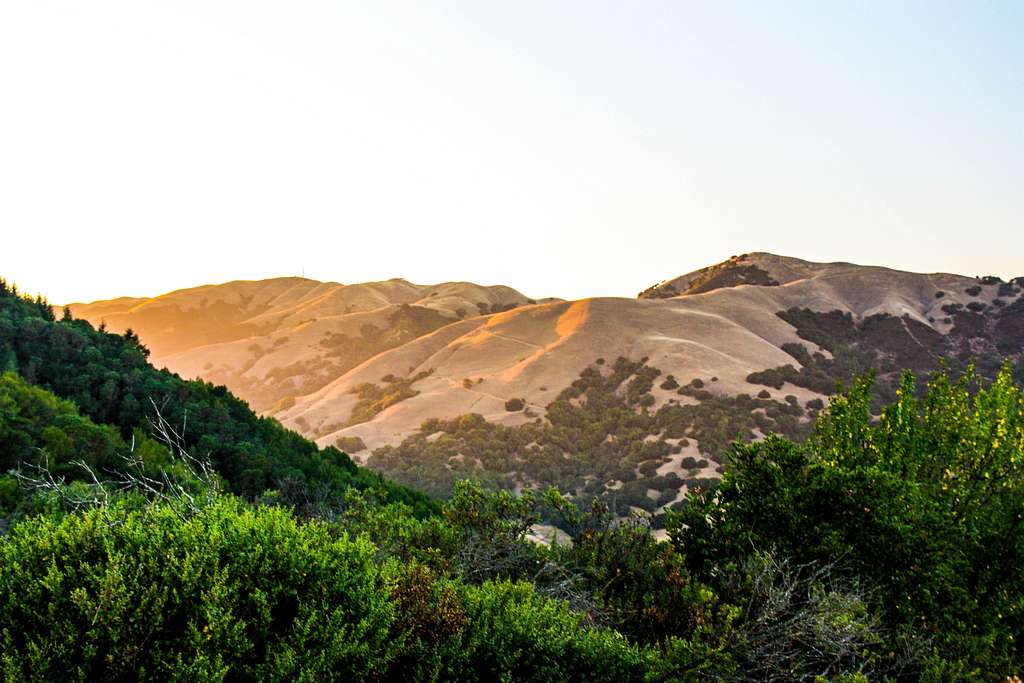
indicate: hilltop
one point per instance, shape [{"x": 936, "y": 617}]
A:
[{"x": 278, "y": 338}]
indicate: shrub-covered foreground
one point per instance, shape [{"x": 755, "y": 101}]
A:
[
  {"x": 882, "y": 549},
  {"x": 252, "y": 594},
  {"x": 923, "y": 507}
]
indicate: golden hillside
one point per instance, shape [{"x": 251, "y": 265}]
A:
[{"x": 745, "y": 347}]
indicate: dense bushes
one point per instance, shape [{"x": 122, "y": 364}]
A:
[
  {"x": 514, "y": 405},
  {"x": 36, "y": 426},
  {"x": 516, "y": 635},
  {"x": 242, "y": 593},
  {"x": 924, "y": 505},
  {"x": 109, "y": 379},
  {"x": 886, "y": 345},
  {"x": 350, "y": 444},
  {"x": 230, "y": 590},
  {"x": 602, "y": 436},
  {"x": 374, "y": 399},
  {"x": 881, "y": 549},
  {"x": 37, "y": 429}
]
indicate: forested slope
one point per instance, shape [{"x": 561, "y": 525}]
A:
[{"x": 107, "y": 376}]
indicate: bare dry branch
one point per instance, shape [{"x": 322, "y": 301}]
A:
[{"x": 156, "y": 485}]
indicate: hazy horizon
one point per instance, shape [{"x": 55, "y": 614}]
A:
[
  {"x": 535, "y": 295},
  {"x": 569, "y": 150}
]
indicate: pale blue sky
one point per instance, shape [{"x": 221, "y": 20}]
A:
[{"x": 564, "y": 148}]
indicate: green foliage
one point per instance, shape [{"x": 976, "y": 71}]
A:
[
  {"x": 516, "y": 635},
  {"x": 350, "y": 444},
  {"x": 926, "y": 504},
  {"x": 232, "y": 591},
  {"x": 38, "y": 427},
  {"x": 612, "y": 575},
  {"x": 881, "y": 548},
  {"x": 242, "y": 593},
  {"x": 514, "y": 405},
  {"x": 110, "y": 381},
  {"x": 12, "y": 497},
  {"x": 602, "y": 437},
  {"x": 491, "y": 532},
  {"x": 884, "y": 344},
  {"x": 640, "y": 584},
  {"x": 374, "y": 399}
]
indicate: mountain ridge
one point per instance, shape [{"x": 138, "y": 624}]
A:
[{"x": 783, "y": 329}]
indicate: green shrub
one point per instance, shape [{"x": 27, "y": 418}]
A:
[
  {"x": 514, "y": 405},
  {"x": 350, "y": 444},
  {"x": 670, "y": 383},
  {"x": 242, "y": 593},
  {"x": 373, "y": 399},
  {"x": 516, "y": 635},
  {"x": 923, "y": 505},
  {"x": 649, "y": 468},
  {"x": 230, "y": 593}
]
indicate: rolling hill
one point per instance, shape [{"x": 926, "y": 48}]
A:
[
  {"x": 631, "y": 398},
  {"x": 274, "y": 339}
]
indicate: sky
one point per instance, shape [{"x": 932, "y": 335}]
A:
[{"x": 567, "y": 149}]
